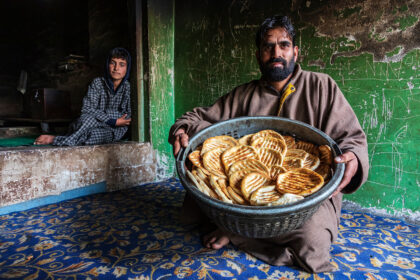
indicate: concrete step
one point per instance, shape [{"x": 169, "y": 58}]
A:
[{"x": 33, "y": 172}]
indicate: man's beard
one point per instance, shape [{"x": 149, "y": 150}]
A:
[{"x": 277, "y": 74}]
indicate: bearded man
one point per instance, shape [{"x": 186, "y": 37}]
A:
[{"x": 286, "y": 90}]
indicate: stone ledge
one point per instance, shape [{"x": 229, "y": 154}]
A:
[
  {"x": 32, "y": 172},
  {"x": 10, "y": 132}
]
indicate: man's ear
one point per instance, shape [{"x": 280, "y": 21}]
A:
[{"x": 296, "y": 52}]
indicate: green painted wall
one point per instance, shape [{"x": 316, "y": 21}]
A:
[
  {"x": 161, "y": 81},
  {"x": 372, "y": 53},
  {"x": 383, "y": 96}
]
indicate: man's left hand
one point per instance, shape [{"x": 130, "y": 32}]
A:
[{"x": 352, "y": 164}]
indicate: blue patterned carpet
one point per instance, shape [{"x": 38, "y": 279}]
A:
[{"x": 136, "y": 234}]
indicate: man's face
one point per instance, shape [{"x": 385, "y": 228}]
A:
[
  {"x": 277, "y": 55},
  {"x": 117, "y": 68}
]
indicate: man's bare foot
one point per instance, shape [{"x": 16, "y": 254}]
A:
[
  {"x": 216, "y": 239},
  {"x": 44, "y": 139}
]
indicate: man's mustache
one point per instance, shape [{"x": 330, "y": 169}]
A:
[{"x": 278, "y": 59}]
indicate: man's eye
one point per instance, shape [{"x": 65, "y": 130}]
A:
[{"x": 268, "y": 47}]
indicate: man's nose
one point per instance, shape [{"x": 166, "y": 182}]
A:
[{"x": 277, "y": 51}]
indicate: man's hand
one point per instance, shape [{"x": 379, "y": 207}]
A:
[
  {"x": 122, "y": 121},
  {"x": 181, "y": 139},
  {"x": 352, "y": 164}
]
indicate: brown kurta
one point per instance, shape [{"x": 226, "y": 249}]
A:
[{"x": 319, "y": 102}]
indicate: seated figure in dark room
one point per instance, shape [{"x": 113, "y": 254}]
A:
[
  {"x": 315, "y": 99},
  {"x": 106, "y": 112}
]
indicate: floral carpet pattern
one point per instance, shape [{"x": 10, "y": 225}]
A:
[{"x": 136, "y": 234}]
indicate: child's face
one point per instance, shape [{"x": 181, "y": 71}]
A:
[{"x": 117, "y": 68}]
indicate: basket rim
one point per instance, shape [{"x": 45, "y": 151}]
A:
[{"x": 246, "y": 210}]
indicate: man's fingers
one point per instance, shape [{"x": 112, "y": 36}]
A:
[
  {"x": 181, "y": 138},
  {"x": 348, "y": 174},
  {"x": 123, "y": 117},
  {"x": 351, "y": 168},
  {"x": 184, "y": 140},
  {"x": 346, "y": 179},
  {"x": 177, "y": 147},
  {"x": 344, "y": 158}
]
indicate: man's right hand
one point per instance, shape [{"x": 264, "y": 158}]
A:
[
  {"x": 181, "y": 140},
  {"x": 122, "y": 121}
]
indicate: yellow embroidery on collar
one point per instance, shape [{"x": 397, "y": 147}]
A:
[{"x": 288, "y": 91}]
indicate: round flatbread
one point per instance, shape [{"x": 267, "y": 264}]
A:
[
  {"x": 300, "y": 181},
  {"x": 325, "y": 154},
  {"x": 237, "y": 198},
  {"x": 270, "y": 157},
  {"x": 237, "y": 153},
  {"x": 291, "y": 162},
  {"x": 270, "y": 143},
  {"x": 296, "y": 153},
  {"x": 269, "y": 196},
  {"x": 290, "y": 141},
  {"x": 308, "y": 147},
  {"x": 252, "y": 182},
  {"x": 220, "y": 189},
  {"x": 264, "y": 195},
  {"x": 196, "y": 159},
  {"x": 213, "y": 163},
  {"x": 245, "y": 140},
  {"x": 267, "y": 133},
  {"x": 275, "y": 170},
  {"x": 324, "y": 170},
  {"x": 222, "y": 141},
  {"x": 249, "y": 163},
  {"x": 235, "y": 178},
  {"x": 287, "y": 198},
  {"x": 311, "y": 162}
]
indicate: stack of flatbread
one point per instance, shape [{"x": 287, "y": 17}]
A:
[{"x": 264, "y": 168}]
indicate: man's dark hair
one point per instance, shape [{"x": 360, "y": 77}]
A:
[
  {"x": 119, "y": 53},
  {"x": 273, "y": 22}
]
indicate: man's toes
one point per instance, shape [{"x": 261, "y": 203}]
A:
[
  {"x": 216, "y": 246},
  {"x": 208, "y": 240},
  {"x": 221, "y": 242}
]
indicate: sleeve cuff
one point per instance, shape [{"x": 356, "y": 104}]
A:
[{"x": 111, "y": 122}]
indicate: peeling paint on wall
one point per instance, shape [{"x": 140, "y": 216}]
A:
[
  {"x": 162, "y": 169},
  {"x": 378, "y": 28},
  {"x": 161, "y": 75}
]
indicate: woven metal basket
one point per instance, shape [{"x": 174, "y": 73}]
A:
[{"x": 260, "y": 221}]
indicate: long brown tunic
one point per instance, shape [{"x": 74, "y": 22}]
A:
[{"x": 319, "y": 102}]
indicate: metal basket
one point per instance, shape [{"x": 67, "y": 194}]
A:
[{"x": 260, "y": 221}]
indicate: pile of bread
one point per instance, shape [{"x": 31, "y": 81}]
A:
[{"x": 263, "y": 168}]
